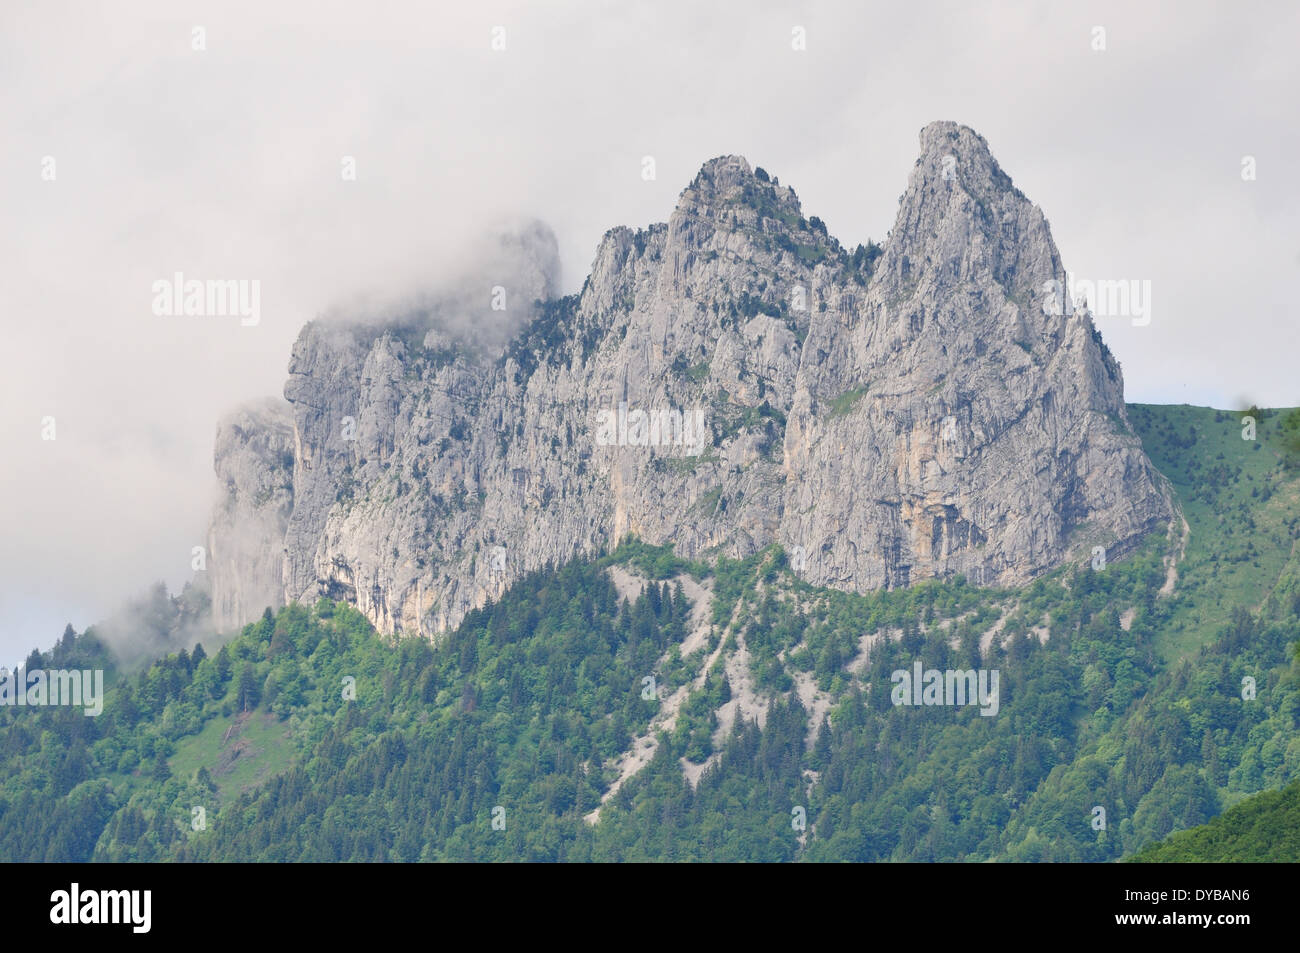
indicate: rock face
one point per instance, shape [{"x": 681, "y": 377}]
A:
[
  {"x": 254, "y": 463},
  {"x": 732, "y": 379}
]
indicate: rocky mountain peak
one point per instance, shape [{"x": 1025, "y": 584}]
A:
[
  {"x": 729, "y": 193},
  {"x": 885, "y": 417},
  {"x": 962, "y": 224},
  {"x": 965, "y": 145},
  {"x": 719, "y": 178}
]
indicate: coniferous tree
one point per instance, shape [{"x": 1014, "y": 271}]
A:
[
  {"x": 161, "y": 771},
  {"x": 223, "y": 664},
  {"x": 247, "y": 694}
]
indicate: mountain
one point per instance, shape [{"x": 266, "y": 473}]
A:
[
  {"x": 641, "y": 706},
  {"x": 728, "y": 381}
]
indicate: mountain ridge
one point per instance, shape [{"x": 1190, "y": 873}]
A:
[{"x": 433, "y": 466}]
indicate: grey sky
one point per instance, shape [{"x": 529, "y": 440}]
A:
[{"x": 225, "y": 163}]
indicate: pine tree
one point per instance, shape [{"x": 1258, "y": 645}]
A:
[
  {"x": 223, "y": 664},
  {"x": 429, "y": 685},
  {"x": 247, "y": 694},
  {"x": 681, "y": 604},
  {"x": 67, "y": 642},
  {"x": 822, "y": 747},
  {"x": 161, "y": 772}
]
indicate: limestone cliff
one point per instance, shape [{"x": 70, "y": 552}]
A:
[{"x": 885, "y": 415}]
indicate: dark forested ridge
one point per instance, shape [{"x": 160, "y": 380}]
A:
[
  {"x": 1133, "y": 702},
  {"x": 1265, "y": 827}
]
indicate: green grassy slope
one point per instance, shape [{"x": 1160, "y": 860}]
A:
[{"x": 1241, "y": 500}]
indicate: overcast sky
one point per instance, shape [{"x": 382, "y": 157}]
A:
[{"x": 225, "y": 162}]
